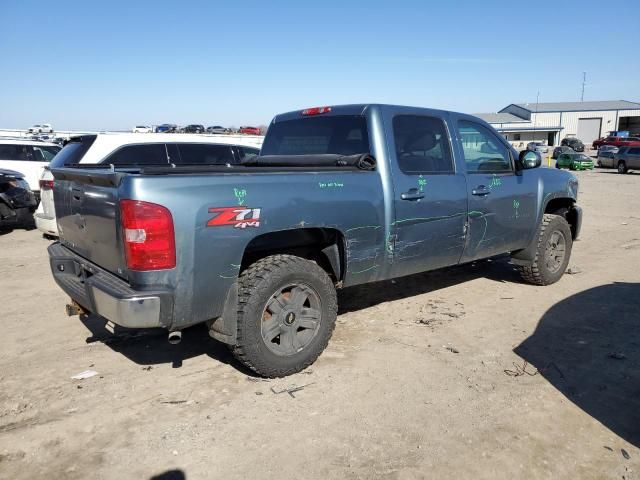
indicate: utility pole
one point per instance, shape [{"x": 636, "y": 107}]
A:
[
  {"x": 535, "y": 119},
  {"x": 584, "y": 81}
]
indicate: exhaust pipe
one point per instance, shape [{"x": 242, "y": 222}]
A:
[{"x": 175, "y": 337}]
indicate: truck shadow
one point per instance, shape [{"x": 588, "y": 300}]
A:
[
  {"x": 588, "y": 347},
  {"x": 150, "y": 346}
]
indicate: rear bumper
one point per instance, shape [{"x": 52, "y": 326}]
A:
[
  {"x": 46, "y": 225},
  {"x": 109, "y": 296}
]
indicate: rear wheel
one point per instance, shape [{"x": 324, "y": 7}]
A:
[
  {"x": 287, "y": 308},
  {"x": 553, "y": 252},
  {"x": 622, "y": 167}
]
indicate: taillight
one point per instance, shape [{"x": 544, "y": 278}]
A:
[
  {"x": 149, "y": 240},
  {"x": 316, "y": 111},
  {"x": 46, "y": 184}
]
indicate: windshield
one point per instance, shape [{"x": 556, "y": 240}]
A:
[{"x": 340, "y": 134}]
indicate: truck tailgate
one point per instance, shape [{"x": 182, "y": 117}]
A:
[{"x": 86, "y": 205}]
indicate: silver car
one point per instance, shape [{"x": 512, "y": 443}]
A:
[
  {"x": 539, "y": 147},
  {"x": 627, "y": 158},
  {"x": 605, "y": 156}
]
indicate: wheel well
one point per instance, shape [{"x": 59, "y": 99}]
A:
[
  {"x": 564, "y": 207},
  {"x": 325, "y": 246}
]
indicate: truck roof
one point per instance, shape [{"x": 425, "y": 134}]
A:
[{"x": 354, "y": 109}]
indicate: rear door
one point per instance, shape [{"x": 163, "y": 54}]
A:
[
  {"x": 430, "y": 197},
  {"x": 633, "y": 158},
  {"x": 502, "y": 205},
  {"x": 21, "y": 158}
]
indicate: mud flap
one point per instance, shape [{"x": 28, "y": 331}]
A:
[{"x": 225, "y": 327}]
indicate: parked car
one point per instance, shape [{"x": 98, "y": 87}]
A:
[
  {"x": 617, "y": 142},
  {"x": 605, "y": 156},
  {"x": 166, "y": 128},
  {"x": 194, "y": 129},
  {"x": 335, "y": 199},
  {"x": 249, "y": 130},
  {"x": 41, "y": 128},
  {"x": 135, "y": 150},
  {"x": 141, "y": 129},
  {"x": 574, "y": 161},
  {"x": 538, "y": 147},
  {"x": 575, "y": 144},
  {"x": 17, "y": 201},
  {"x": 627, "y": 158},
  {"x": 28, "y": 157},
  {"x": 560, "y": 150},
  {"x": 217, "y": 129}
]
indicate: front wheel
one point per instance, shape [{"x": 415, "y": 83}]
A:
[
  {"x": 552, "y": 252},
  {"x": 287, "y": 308},
  {"x": 622, "y": 167}
]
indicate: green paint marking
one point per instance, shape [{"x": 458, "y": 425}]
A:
[
  {"x": 365, "y": 270},
  {"x": 330, "y": 184},
  {"x": 422, "y": 183},
  {"x": 240, "y": 194},
  {"x": 495, "y": 182},
  {"x": 516, "y": 205},
  {"x": 427, "y": 219},
  {"x": 375, "y": 227}
]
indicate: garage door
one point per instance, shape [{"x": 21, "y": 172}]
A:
[{"x": 589, "y": 129}]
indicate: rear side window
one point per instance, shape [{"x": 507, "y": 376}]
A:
[
  {"x": 247, "y": 152},
  {"x": 16, "y": 152},
  {"x": 483, "y": 151},
  {"x": 44, "y": 153},
  {"x": 73, "y": 151},
  {"x": 422, "y": 144},
  {"x": 634, "y": 151},
  {"x": 205, "y": 154},
  {"x": 340, "y": 134},
  {"x": 137, "y": 155}
]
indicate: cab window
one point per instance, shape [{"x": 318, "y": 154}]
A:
[
  {"x": 483, "y": 151},
  {"x": 422, "y": 145}
]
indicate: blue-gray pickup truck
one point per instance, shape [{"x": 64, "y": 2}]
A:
[{"x": 338, "y": 196}]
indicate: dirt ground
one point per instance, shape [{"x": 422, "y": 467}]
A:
[{"x": 425, "y": 377}]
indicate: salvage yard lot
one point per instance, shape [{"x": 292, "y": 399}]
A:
[{"x": 425, "y": 377}]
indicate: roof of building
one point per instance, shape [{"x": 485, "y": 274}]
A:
[
  {"x": 502, "y": 117},
  {"x": 579, "y": 106}
]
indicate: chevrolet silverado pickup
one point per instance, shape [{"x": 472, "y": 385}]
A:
[{"x": 338, "y": 196}]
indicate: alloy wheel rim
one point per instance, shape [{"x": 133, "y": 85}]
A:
[
  {"x": 555, "y": 251},
  {"x": 291, "y": 319}
]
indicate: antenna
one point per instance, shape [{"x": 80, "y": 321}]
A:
[{"x": 584, "y": 81}]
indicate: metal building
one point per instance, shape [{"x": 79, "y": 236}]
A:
[{"x": 551, "y": 122}]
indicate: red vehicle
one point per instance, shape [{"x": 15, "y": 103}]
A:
[
  {"x": 617, "y": 142},
  {"x": 250, "y": 130}
]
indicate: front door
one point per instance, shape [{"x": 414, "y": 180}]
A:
[
  {"x": 502, "y": 205},
  {"x": 430, "y": 198}
]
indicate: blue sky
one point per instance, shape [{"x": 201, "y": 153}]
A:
[{"x": 113, "y": 64}]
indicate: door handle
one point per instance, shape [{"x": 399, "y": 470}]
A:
[
  {"x": 480, "y": 191},
  {"x": 412, "y": 194}
]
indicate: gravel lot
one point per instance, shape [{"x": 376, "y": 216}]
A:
[{"x": 425, "y": 377}]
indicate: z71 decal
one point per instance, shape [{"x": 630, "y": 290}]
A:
[{"x": 237, "y": 217}]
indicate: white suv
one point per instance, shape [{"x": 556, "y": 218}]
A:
[
  {"x": 28, "y": 157},
  {"x": 140, "y": 149}
]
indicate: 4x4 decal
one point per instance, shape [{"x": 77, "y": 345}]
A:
[{"x": 237, "y": 217}]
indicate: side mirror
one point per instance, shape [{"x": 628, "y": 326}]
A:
[{"x": 530, "y": 159}]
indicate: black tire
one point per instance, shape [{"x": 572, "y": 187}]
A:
[
  {"x": 622, "y": 167},
  {"x": 540, "y": 272},
  {"x": 264, "y": 284}
]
